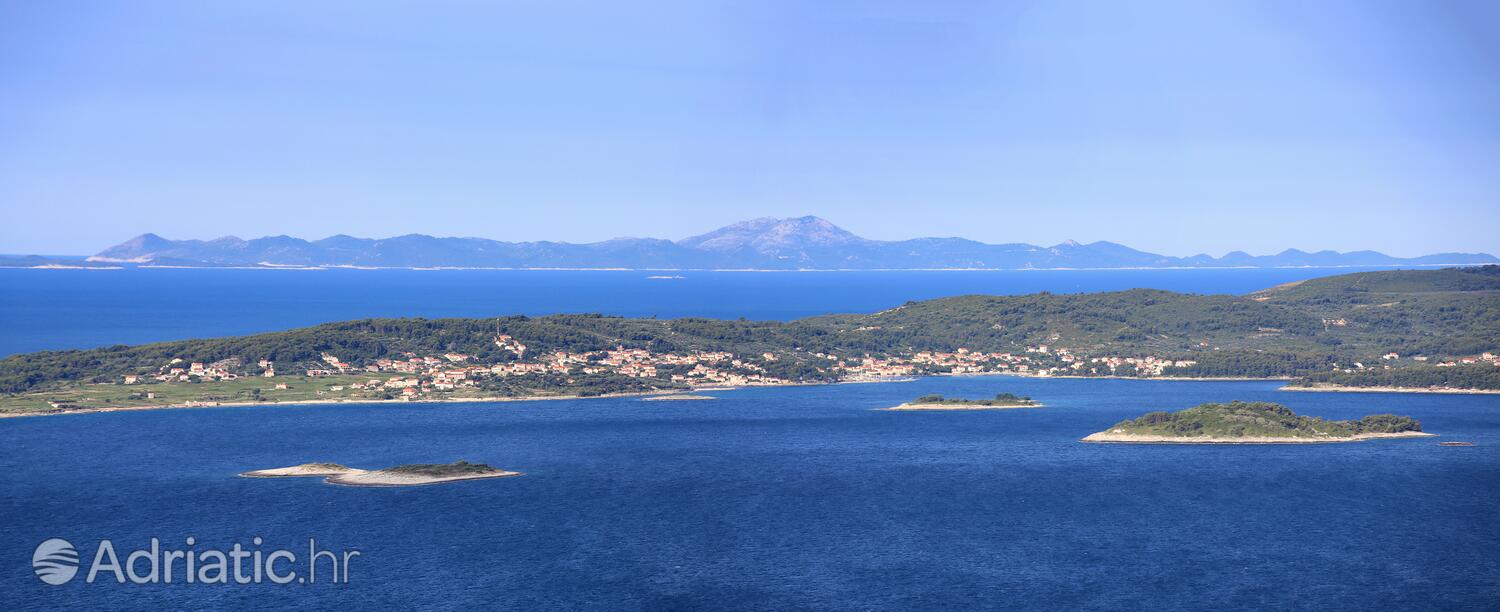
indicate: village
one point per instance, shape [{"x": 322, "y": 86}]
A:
[{"x": 413, "y": 376}]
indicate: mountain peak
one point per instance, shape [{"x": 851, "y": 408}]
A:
[
  {"x": 146, "y": 240},
  {"x": 771, "y": 234},
  {"x": 138, "y": 249}
]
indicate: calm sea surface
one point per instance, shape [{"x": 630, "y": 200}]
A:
[
  {"x": 778, "y": 499},
  {"x": 62, "y": 309}
]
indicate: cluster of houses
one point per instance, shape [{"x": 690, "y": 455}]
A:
[
  {"x": 1490, "y": 358},
  {"x": 411, "y": 374},
  {"x": 1394, "y": 357},
  {"x": 177, "y": 370},
  {"x": 414, "y": 374},
  {"x": 1144, "y": 366},
  {"x": 1040, "y": 360},
  {"x": 738, "y": 374}
]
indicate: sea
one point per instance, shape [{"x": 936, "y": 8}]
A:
[{"x": 786, "y": 498}]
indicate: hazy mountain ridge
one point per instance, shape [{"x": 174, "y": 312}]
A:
[{"x": 766, "y": 243}]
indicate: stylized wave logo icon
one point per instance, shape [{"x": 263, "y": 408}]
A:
[{"x": 55, "y": 561}]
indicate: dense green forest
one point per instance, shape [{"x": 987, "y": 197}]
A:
[
  {"x": 1294, "y": 330},
  {"x": 1485, "y": 376}
]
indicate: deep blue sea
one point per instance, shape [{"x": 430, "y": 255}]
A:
[
  {"x": 778, "y": 499},
  {"x": 63, "y": 309},
  {"x": 766, "y": 499}
]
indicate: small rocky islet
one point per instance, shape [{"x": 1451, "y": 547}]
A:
[
  {"x": 1240, "y": 422},
  {"x": 398, "y": 476},
  {"x": 938, "y": 402}
]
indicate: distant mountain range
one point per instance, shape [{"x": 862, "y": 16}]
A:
[{"x": 802, "y": 243}]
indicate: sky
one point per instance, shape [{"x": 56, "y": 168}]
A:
[{"x": 1176, "y": 127}]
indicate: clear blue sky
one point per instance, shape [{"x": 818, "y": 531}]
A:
[{"x": 1177, "y": 127}]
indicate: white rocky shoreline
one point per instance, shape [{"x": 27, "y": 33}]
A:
[{"x": 1119, "y": 437}]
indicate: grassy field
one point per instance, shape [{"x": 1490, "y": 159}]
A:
[{"x": 299, "y": 388}]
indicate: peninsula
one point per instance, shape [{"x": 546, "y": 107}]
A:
[
  {"x": 1252, "y": 423},
  {"x": 399, "y": 476},
  {"x": 1428, "y": 330},
  {"x": 937, "y": 402}
]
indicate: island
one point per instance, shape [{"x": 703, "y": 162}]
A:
[
  {"x": 399, "y": 476},
  {"x": 1363, "y": 331},
  {"x": 1252, "y": 423},
  {"x": 796, "y": 243},
  {"x": 1001, "y": 401}
]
